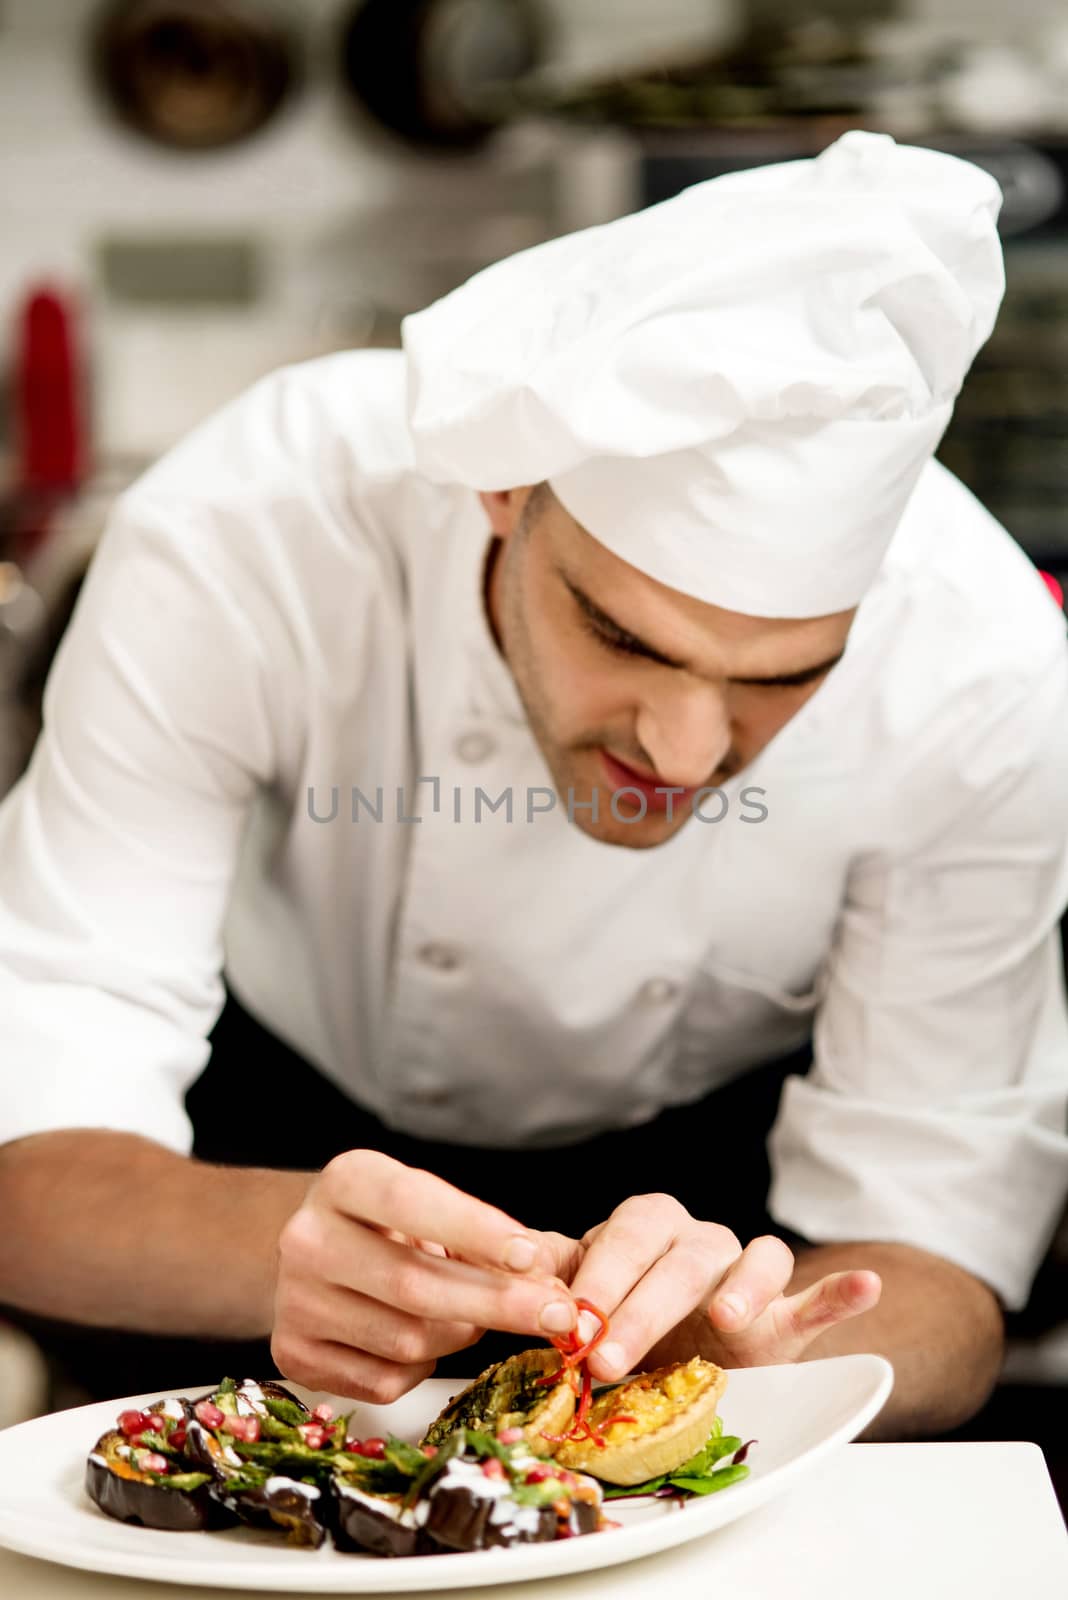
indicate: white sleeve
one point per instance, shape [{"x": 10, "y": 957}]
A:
[
  {"x": 934, "y": 1113},
  {"x": 119, "y": 844}
]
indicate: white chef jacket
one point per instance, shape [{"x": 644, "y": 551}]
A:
[{"x": 282, "y": 607}]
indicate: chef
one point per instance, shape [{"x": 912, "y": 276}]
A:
[{"x": 511, "y": 745}]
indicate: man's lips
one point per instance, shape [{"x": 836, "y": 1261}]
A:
[{"x": 620, "y": 776}]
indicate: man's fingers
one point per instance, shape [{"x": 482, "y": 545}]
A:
[
  {"x": 373, "y": 1188},
  {"x": 319, "y": 1245},
  {"x": 321, "y": 1364},
  {"x": 565, "y": 1255},
  {"x": 663, "y": 1298},
  {"x": 831, "y": 1300},
  {"x": 761, "y": 1273},
  {"x": 621, "y": 1252},
  {"x": 646, "y": 1268},
  {"x": 343, "y": 1317}
]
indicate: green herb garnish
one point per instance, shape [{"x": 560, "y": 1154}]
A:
[{"x": 288, "y": 1412}]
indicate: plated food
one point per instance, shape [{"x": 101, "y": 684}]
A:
[{"x": 527, "y": 1453}]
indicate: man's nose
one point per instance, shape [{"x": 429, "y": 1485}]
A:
[{"x": 686, "y": 732}]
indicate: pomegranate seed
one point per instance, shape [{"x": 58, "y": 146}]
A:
[
  {"x": 313, "y": 1435},
  {"x": 324, "y": 1412},
  {"x": 567, "y": 1478},
  {"x": 151, "y": 1461},
  {"x": 493, "y": 1468},
  {"x": 430, "y": 1451},
  {"x": 178, "y": 1437},
  {"x": 245, "y": 1428},
  {"x": 207, "y": 1412},
  {"x": 510, "y": 1435},
  {"x": 131, "y": 1423},
  {"x": 374, "y": 1449},
  {"x": 155, "y": 1423},
  {"x": 539, "y": 1474}
]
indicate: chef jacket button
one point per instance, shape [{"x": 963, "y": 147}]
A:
[
  {"x": 657, "y": 991},
  {"x": 442, "y": 957},
  {"x": 474, "y": 747},
  {"x": 438, "y": 1096}
]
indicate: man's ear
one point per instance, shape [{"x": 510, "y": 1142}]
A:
[{"x": 504, "y": 507}]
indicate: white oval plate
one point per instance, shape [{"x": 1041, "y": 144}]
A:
[{"x": 799, "y": 1414}]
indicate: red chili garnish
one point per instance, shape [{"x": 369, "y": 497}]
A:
[
  {"x": 573, "y": 1357},
  {"x": 572, "y": 1351}
]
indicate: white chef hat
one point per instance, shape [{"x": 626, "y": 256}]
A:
[{"x": 735, "y": 390}]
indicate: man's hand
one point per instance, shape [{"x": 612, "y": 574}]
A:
[
  {"x": 384, "y": 1268},
  {"x": 675, "y": 1287}
]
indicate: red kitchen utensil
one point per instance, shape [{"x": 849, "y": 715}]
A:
[{"x": 48, "y": 402}]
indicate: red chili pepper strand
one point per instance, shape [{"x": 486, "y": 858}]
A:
[
  {"x": 573, "y": 1356},
  {"x": 585, "y": 1398},
  {"x": 572, "y": 1352}
]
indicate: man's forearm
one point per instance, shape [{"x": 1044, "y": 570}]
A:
[
  {"x": 940, "y": 1327},
  {"x": 115, "y": 1231}
]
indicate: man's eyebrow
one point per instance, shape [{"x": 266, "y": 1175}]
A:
[
  {"x": 621, "y": 635},
  {"x": 793, "y": 680},
  {"x": 636, "y": 646}
]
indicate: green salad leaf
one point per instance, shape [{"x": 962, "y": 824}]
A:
[{"x": 700, "y": 1475}]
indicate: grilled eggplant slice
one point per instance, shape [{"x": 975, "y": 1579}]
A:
[
  {"x": 175, "y": 1500},
  {"x": 673, "y": 1410},
  {"x": 252, "y": 1492},
  {"x": 381, "y": 1524},
  {"x": 480, "y": 1502},
  {"x": 507, "y": 1395},
  {"x": 297, "y": 1507}
]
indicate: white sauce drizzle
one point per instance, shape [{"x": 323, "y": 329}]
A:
[
  {"x": 308, "y": 1490},
  {"x": 404, "y": 1516}
]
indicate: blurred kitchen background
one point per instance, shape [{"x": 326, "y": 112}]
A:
[{"x": 195, "y": 191}]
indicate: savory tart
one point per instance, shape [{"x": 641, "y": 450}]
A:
[
  {"x": 513, "y": 1394},
  {"x": 649, "y": 1425}
]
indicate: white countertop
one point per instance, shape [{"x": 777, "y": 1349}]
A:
[{"x": 875, "y": 1522}]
